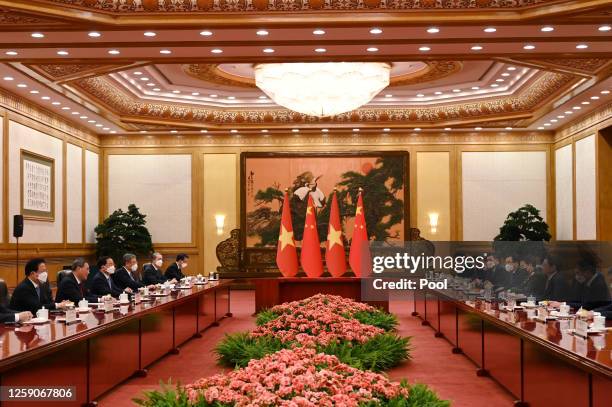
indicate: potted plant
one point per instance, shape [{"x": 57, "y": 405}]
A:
[{"x": 523, "y": 225}]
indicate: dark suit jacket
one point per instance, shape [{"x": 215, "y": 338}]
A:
[
  {"x": 534, "y": 284},
  {"x": 606, "y": 311},
  {"x": 25, "y": 297},
  {"x": 596, "y": 294},
  {"x": 173, "y": 271},
  {"x": 152, "y": 275},
  {"x": 6, "y": 314},
  {"x": 69, "y": 289},
  {"x": 123, "y": 279},
  {"x": 102, "y": 286},
  {"x": 517, "y": 278},
  {"x": 556, "y": 288}
]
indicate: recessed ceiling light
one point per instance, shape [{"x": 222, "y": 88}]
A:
[
  {"x": 576, "y": 108},
  {"x": 45, "y": 98},
  {"x": 447, "y": 128},
  {"x": 420, "y": 95},
  {"x": 34, "y": 92},
  {"x": 433, "y": 30},
  {"x": 174, "y": 131},
  {"x": 233, "y": 131},
  {"x": 150, "y": 84},
  {"x": 477, "y": 128},
  {"x": 320, "y": 50},
  {"x": 263, "y": 97},
  {"x": 560, "y": 117},
  {"x": 268, "y": 50},
  {"x": 83, "y": 117},
  {"x": 547, "y": 124},
  {"x": 165, "y": 51},
  {"x": 388, "y": 95},
  {"x": 318, "y": 31},
  {"x": 417, "y": 129},
  {"x": 113, "y": 132},
  {"x": 540, "y": 128},
  {"x": 216, "y": 51},
  {"x": 91, "y": 121},
  {"x": 499, "y": 80},
  {"x": 439, "y": 93},
  {"x": 99, "y": 125},
  {"x": 106, "y": 129},
  {"x": 262, "y": 32},
  {"x": 554, "y": 120},
  {"x": 11, "y": 53},
  {"x": 512, "y": 68},
  {"x": 8, "y": 78},
  {"x": 62, "y": 52},
  {"x": 264, "y": 130},
  {"x": 424, "y": 49},
  {"x": 76, "y": 113},
  {"x": 495, "y": 85},
  {"x": 231, "y": 97},
  {"x": 65, "y": 108},
  {"x": 38, "y": 35},
  {"x": 324, "y": 130},
  {"x": 582, "y": 46},
  {"x": 475, "y": 87},
  {"x": 592, "y": 97},
  {"x": 55, "y": 103},
  {"x": 477, "y": 48},
  {"x": 144, "y": 79},
  {"x": 386, "y": 129},
  {"x": 605, "y": 92},
  {"x": 372, "y": 49},
  {"x": 604, "y": 28},
  {"x": 295, "y": 130},
  {"x": 490, "y": 29},
  {"x": 547, "y": 29},
  {"x": 586, "y": 103},
  {"x": 149, "y": 34},
  {"x": 203, "y": 131},
  {"x": 529, "y": 47},
  {"x": 94, "y": 34},
  {"x": 142, "y": 131},
  {"x": 137, "y": 73},
  {"x": 456, "y": 90},
  {"x": 176, "y": 91},
  {"x": 213, "y": 95},
  {"x": 356, "y": 130},
  {"x": 156, "y": 89},
  {"x": 508, "y": 128},
  {"x": 195, "y": 93},
  {"x": 569, "y": 112},
  {"x": 114, "y": 52},
  {"x": 376, "y": 31},
  {"x": 206, "y": 33}
]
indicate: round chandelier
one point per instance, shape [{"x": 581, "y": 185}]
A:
[{"x": 322, "y": 89}]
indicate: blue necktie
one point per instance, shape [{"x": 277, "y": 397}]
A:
[{"x": 38, "y": 291}]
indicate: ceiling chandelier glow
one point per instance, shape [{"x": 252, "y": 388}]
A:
[{"x": 322, "y": 89}]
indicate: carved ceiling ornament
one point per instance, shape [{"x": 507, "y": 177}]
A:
[
  {"x": 135, "y": 6},
  {"x": 212, "y": 73},
  {"x": 530, "y": 97},
  {"x": 59, "y": 71},
  {"x": 11, "y": 17},
  {"x": 584, "y": 65}
]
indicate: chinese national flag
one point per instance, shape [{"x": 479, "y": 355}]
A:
[
  {"x": 359, "y": 256},
  {"x": 286, "y": 254},
  {"x": 311, "y": 247},
  {"x": 334, "y": 253}
]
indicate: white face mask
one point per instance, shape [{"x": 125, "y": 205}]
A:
[
  {"x": 509, "y": 268},
  {"x": 110, "y": 270},
  {"x": 158, "y": 263},
  {"x": 42, "y": 277},
  {"x": 490, "y": 264},
  {"x": 134, "y": 267},
  {"x": 581, "y": 279}
]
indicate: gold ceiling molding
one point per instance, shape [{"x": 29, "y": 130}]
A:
[
  {"x": 589, "y": 66},
  {"x": 212, "y": 73},
  {"x": 530, "y": 98},
  {"x": 398, "y": 138},
  {"x": 11, "y": 18},
  {"x": 32, "y": 111},
  {"x": 61, "y": 71},
  {"x": 184, "y": 6}
]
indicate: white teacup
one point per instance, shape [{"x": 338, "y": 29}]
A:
[
  {"x": 44, "y": 313},
  {"x": 599, "y": 321},
  {"x": 123, "y": 297},
  {"x": 83, "y": 304},
  {"x": 564, "y": 309}
]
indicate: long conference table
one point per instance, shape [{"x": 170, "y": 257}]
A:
[
  {"x": 104, "y": 349},
  {"x": 541, "y": 364}
]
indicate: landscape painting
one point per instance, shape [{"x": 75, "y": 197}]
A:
[{"x": 265, "y": 176}]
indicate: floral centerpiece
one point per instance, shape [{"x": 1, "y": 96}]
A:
[
  {"x": 294, "y": 378},
  {"x": 326, "y": 323}
]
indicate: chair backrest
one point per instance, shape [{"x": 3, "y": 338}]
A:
[
  {"x": 4, "y": 294},
  {"x": 61, "y": 274}
]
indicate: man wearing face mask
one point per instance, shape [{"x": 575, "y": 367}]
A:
[
  {"x": 592, "y": 292},
  {"x": 126, "y": 276},
  {"x": 516, "y": 274},
  {"x": 72, "y": 287},
  {"x": 102, "y": 284},
  {"x": 152, "y": 273},
  {"x": 34, "y": 292},
  {"x": 175, "y": 271}
]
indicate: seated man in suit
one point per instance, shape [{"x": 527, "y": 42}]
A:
[
  {"x": 33, "y": 293},
  {"x": 102, "y": 284},
  {"x": 594, "y": 291},
  {"x": 535, "y": 280},
  {"x": 126, "y": 276},
  {"x": 516, "y": 275},
  {"x": 175, "y": 270},
  {"x": 555, "y": 288},
  {"x": 72, "y": 287},
  {"x": 153, "y": 272},
  {"x": 10, "y": 316}
]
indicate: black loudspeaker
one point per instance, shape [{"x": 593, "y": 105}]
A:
[{"x": 18, "y": 226}]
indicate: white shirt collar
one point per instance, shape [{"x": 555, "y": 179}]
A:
[{"x": 33, "y": 283}]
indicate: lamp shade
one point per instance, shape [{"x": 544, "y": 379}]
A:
[{"x": 322, "y": 89}]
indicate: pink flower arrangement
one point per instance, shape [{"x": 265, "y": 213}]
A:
[
  {"x": 295, "y": 378},
  {"x": 331, "y": 303},
  {"x": 311, "y": 326}
]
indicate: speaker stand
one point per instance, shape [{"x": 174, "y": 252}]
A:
[{"x": 17, "y": 262}]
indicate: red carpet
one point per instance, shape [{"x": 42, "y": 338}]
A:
[{"x": 452, "y": 376}]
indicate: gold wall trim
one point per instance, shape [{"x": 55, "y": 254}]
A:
[{"x": 598, "y": 119}]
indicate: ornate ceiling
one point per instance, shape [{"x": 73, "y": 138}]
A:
[{"x": 126, "y": 66}]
